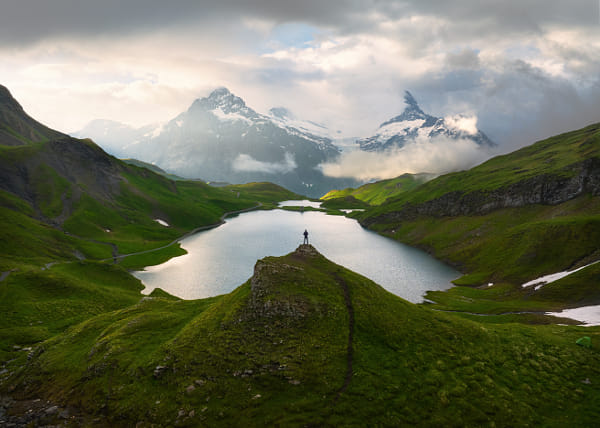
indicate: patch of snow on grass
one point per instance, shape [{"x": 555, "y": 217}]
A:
[
  {"x": 544, "y": 280},
  {"x": 161, "y": 222},
  {"x": 589, "y": 315}
]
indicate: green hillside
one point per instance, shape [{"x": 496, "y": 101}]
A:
[
  {"x": 307, "y": 342},
  {"x": 512, "y": 219},
  {"x": 152, "y": 167},
  {"x": 376, "y": 193}
]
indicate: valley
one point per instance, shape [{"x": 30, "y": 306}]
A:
[{"x": 301, "y": 339}]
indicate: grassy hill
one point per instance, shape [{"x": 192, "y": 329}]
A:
[
  {"x": 512, "y": 219},
  {"x": 378, "y": 192},
  {"x": 307, "y": 342}
]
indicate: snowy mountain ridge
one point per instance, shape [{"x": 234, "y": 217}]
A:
[{"x": 413, "y": 124}]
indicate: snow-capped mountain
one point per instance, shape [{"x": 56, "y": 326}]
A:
[
  {"x": 220, "y": 138},
  {"x": 413, "y": 123}
]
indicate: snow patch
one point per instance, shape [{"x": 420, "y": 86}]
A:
[
  {"x": 230, "y": 117},
  {"x": 588, "y": 315},
  {"x": 547, "y": 279},
  {"x": 161, "y": 222},
  {"x": 398, "y": 128}
]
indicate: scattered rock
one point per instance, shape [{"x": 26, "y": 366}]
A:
[
  {"x": 192, "y": 413},
  {"x": 256, "y": 396},
  {"x": 52, "y": 410},
  {"x": 199, "y": 382},
  {"x": 294, "y": 382},
  {"x": 587, "y": 381},
  {"x": 159, "y": 370},
  {"x": 190, "y": 389}
]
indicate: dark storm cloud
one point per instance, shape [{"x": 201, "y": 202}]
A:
[{"x": 26, "y": 21}]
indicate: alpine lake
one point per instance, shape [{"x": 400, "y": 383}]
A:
[{"x": 221, "y": 259}]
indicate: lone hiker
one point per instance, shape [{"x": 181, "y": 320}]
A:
[{"x": 305, "y": 236}]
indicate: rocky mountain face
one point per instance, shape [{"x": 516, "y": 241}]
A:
[
  {"x": 220, "y": 138},
  {"x": 413, "y": 123}
]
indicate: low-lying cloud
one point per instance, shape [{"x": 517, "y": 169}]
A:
[
  {"x": 247, "y": 163},
  {"x": 466, "y": 124},
  {"x": 438, "y": 155}
]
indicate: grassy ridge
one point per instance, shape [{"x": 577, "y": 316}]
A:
[
  {"x": 275, "y": 352},
  {"x": 551, "y": 157},
  {"x": 378, "y": 192}
]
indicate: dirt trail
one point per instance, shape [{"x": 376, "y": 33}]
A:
[{"x": 350, "y": 351}]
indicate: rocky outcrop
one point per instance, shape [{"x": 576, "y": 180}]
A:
[
  {"x": 269, "y": 298},
  {"x": 578, "y": 179}
]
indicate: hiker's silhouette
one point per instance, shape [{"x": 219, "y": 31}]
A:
[{"x": 305, "y": 236}]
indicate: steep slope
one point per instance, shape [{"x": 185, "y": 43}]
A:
[
  {"x": 413, "y": 123},
  {"x": 515, "y": 217},
  {"x": 306, "y": 341},
  {"x": 220, "y": 138},
  {"x": 16, "y": 127}
]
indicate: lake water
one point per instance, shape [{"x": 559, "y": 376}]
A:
[{"x": 221, "y": 259}]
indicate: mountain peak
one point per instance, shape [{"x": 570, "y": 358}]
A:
[
  {"x": 7, "y": 100},
  {"x": 23, "y": 129},
  {"x": 411, "y": 112},
  {"x": 411, "y": 103},
  {"x": 220, "y": 92},
  {"x": 414, "y": 123},
  {"x": 220, "y": 98}
]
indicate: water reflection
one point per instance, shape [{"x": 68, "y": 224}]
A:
[{"x": 221, "y": 259}]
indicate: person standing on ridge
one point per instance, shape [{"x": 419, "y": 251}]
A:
[{"x": 305, "y": 236}]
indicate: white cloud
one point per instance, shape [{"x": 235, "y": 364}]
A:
[
  {"x": 438, "y": 155},
  {"x": 247, "y": 163},
  {"x": 466, "y": 124},
  {"x": 145, "y": 61}
]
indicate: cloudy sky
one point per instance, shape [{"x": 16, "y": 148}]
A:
[{"x": 526, "y": 69}]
